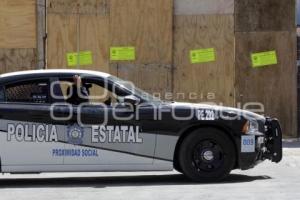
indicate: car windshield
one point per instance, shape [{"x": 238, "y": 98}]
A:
[{"x": 134, "y": 90}]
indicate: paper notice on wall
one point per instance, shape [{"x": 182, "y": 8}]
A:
[
  {"x": 122, "y": 53},
  {"x": 202, "y": 55},
  {"x": 264, "y": 58},
  {"x": 79, "y": 59}
]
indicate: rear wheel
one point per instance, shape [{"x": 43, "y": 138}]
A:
[{"x": 207, "y": 155}]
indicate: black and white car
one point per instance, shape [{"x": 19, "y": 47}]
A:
[{"x": 118, "y": 127}]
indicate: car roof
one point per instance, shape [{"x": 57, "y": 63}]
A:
[{"x": 15, "y": 76}]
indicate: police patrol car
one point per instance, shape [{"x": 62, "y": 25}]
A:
[{"x": 118, "y": 127}]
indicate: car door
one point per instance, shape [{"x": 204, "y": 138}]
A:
[
  {"x": 28, "y": 135},
  {"x": 98, "y": 137}
]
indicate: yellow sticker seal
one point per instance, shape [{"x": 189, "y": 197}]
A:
[
  {"x": 203, "y": 55},
  {"x": 81, "y": 58},
  {"x": 122, "y": 53},
  {"x": 264, "y": 58}
]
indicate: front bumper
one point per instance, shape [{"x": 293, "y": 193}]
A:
[
  {"x": 273, "y": 141},
  {"x": 268, "y": 146}
]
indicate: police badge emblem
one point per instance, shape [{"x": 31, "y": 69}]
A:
[{"x": 75, "y": 134}]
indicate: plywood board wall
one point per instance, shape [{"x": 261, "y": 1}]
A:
[
  {"x": 96, "y": 7},
  {"x": 81, "y": 25},
  {"x": 97, "y": 25},
  {"x": 17, "y": 60},
  {"x": 94, "y": 36},
  {"x": 201, "y": 32},
  {"x": 164, "y": 32},
  {"x": 153, "y": 78},
  {"x": 62, "y": 38},
  {"x": 264, "y": 26},
  {"x": 265, "y": 15},
  {"x": 17, "y": 24},
  {"x": 147, "y": 26},
  {"x": 202, "y": 7},
  {"x": 275, "y": 86}
]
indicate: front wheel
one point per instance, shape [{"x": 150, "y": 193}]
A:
[{"x": 207, "y": 155}]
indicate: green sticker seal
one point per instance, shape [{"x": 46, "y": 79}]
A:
[
  {"x": 81, "y": 58},
  {"x": 122, "y": 53},
  {"x": 264, "y": 58},
  {"x": 202, "y": 55}
]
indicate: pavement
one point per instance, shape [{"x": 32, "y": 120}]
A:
[{"x": 266, "y": 181}]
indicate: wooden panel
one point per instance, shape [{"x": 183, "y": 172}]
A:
[
  {"x": 97, "y": 7},
  {"x": 78, "y": 25},
  {"x": 62, "y": 38},
  {"x": 201, "y": 80},
  {"x": 198, "y": 7},
  {"x": 94, "y": 36},
  {"x": 17, "y": 60},
  {"x": 274, "y": 86},
  {"x": 153, "y": 78},
  {"x": 17, "y": 24},
  {"x": 265, "y": 15},
  {"x": 145, "y": 24}
]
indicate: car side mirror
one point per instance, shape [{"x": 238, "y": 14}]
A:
[{"x": 133, "y": 100}]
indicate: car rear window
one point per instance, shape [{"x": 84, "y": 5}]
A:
[{"x": 28, "y": 92}]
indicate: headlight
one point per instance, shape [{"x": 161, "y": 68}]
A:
[{"x": 251, "y": 128}]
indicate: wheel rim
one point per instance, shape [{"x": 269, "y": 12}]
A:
[{"x": 208, "y": 156}]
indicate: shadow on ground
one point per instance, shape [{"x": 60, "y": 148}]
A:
[{"x": 102, "y": 182}]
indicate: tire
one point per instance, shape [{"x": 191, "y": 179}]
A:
[{"x": 207, "y": 155}]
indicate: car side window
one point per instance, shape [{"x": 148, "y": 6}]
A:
[
  {"x": 96, "y": 92},
  {"x": 28, "y": 92},
  {"x": 2, "y": 96},
  {"x": 99, "y": 94}
]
